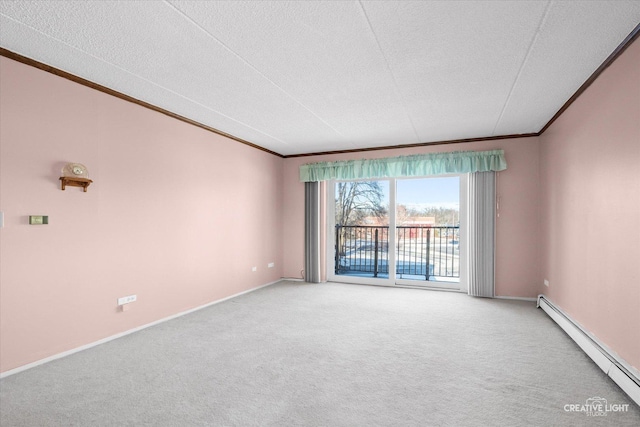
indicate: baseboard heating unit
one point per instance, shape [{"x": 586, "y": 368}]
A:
[{"x": 615, "y": 368}]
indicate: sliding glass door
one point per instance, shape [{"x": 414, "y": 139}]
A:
[{"x": 398, "y": 232}]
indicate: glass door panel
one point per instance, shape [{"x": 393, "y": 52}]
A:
[
  {"x": 362, "y": 229},
  {"x": 428, "y": 231}
]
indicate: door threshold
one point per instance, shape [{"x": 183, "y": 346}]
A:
[
  {"x": 429, "y": 288},
  {"x": 405, "y": 286}
]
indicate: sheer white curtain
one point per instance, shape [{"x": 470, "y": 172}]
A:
[
  {"x": 312, "y": 232},
  {"x": 482, "y": 214}
]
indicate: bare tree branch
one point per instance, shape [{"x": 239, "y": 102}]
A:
[{"x": 357, "y": 200}]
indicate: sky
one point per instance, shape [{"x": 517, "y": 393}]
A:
[
  {"x": 428, "y": 192},
  {"x": 420, "y": 193}
]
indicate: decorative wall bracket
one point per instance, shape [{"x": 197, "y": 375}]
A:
[{"x": 75, "y": 182}]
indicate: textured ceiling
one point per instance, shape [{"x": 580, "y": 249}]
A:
[{"x": 313, "y": 76}]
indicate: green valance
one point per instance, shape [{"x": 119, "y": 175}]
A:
[{"x": 415, "y": 165}]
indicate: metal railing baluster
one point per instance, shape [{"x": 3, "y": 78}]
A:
[{"x": 364, "y": 251}]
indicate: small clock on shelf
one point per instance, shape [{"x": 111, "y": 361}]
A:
[{"x": 75, "y": 175}]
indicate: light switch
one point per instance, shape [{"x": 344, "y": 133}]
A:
[{"x": 38, "y": 219}]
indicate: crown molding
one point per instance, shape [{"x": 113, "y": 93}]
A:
[{"x": 419, "y": 144}]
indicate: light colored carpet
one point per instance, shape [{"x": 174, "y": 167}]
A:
[{"x": 296, "y": 354}]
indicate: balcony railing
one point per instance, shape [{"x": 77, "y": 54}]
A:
[{"x": 422, "y": 252}]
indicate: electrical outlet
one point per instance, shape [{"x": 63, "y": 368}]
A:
[
  {"x": 271, "y": 264},
  {"x": 127, "y": 300},
  {"x": 546, "y": 283},
  {"x": 254, "y": 269}
]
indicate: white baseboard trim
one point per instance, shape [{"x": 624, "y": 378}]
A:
[
  {"x": 517, "y": 298},
  {"x": 610, "y": 363},
  {"x": 130, "y": 331}
]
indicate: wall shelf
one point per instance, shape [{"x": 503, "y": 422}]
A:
[{"x": 75, "y": 182}]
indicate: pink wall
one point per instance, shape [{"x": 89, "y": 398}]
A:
[
  {"x": 168, "y": 217},
  {"x": 590, "y": 210},
  {"x": 171, "y": 216},
  {"x": 517, "y": 240}
]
